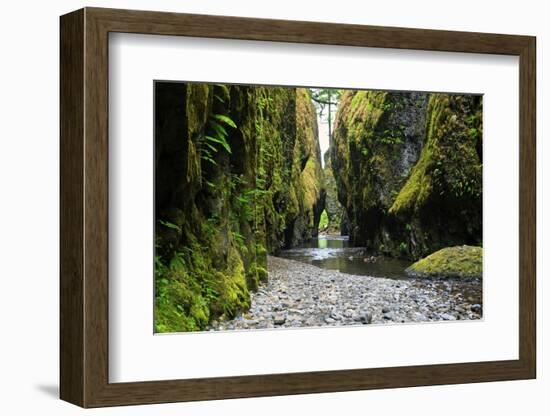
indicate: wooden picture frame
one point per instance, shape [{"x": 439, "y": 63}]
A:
[{"x": 84, "y": 207}]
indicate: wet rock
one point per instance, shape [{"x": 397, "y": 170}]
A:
[
  {"x": 365, "y": 318},
  {"x": 311, "y": 321},
  {"x": 335, "y": 315},
  {"x": 419, "y": 317},
  {"x": 348, "y": 313},
  {"x": 476, "y": 308},
  {"x": 447, "y": 317}
]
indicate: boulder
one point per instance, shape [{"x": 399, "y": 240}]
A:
[{"x": 460, "y": 262}]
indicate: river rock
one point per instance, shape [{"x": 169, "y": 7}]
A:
[
  {"x": 351, "y": 298},
  {"x": 447, "y": 317},
  {"x": 348, "y": 313},
  {"x": 476, "y": 308},
  {"x": 335, "y": 315},
  {"x": 365, "y": 318}
]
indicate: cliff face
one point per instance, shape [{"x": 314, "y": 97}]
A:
[
  {"x": 237, "y": 174},
  {"x": 441, "y": 202},
  {"x": 408, "y": 170},
  {"x": 337, "y": 221},
  {"x": 377, "y": 139},
  {"x": 307, "y": 194}
]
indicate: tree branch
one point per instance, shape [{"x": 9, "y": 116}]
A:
[{"x": 320, "y": 101}]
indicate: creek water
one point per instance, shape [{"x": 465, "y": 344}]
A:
[{"x": 334, "y": 253}]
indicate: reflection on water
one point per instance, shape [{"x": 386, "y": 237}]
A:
[{"x": 334, "y": 253}]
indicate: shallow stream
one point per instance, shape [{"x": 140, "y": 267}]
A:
[{"x": 334, "y": 253}]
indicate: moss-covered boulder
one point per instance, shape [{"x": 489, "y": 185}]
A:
[
  {"x": 237, "y": 175},
  {"x": 377, "y": 140},
  {"x": 461, "y": 262}
]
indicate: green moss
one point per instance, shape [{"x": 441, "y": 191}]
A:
[
  {"x": 179, "y": 304},
  {"x": 408, "y": 169},
  {"x": 449, "y": 163},
  {"x": 308, "y": 177},
  {"x": 451, "y": 262},
  {"x": 198, "y": 104},
  {"x": 231, "y": 286},
  {"x": 377, "y": 137},
  {"x": 441, "y": 200},
  {"x": 193, "y": 163},
  {"x": 289, "y": 168},
  {"x": 418, "y": 187},
  {"x": 310, "y": 185},
  {"x": 190, "y": 289}
]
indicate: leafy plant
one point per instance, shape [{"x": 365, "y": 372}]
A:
[
  {"x": 170, "y": 225},
  {"x": 217, "y": 136}
]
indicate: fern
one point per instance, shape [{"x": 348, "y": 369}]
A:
[
  {"x": 218, "y": 136},
  {"x": 170, "y": 225},
  {"x": 225, "y": 119},
  {"x": 221, "y": 140}
]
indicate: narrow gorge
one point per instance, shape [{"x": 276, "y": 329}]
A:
[{"x": 296, "y": 207}]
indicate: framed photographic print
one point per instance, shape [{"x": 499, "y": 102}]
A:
[{"x": 256, "y": 207}]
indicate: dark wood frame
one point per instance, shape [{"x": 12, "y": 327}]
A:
[{"x": 84, "y": 208}]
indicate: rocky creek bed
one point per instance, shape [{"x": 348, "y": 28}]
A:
[{"x": 302, "y": 295}]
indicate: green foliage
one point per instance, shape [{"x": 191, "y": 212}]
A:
[
  {"x": 323, "y": 222},
  {"x": 224, "y": 119},
  {"x": 217, "y": 136},
  {"x": 326, "y": 99},
  {"x": 170, "y": 225},
  {"x": 390, "y": 137}
]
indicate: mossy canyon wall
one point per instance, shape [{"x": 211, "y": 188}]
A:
[
  {"x": 408, "y": 169},
  {"x": 237, "y": 175}
]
